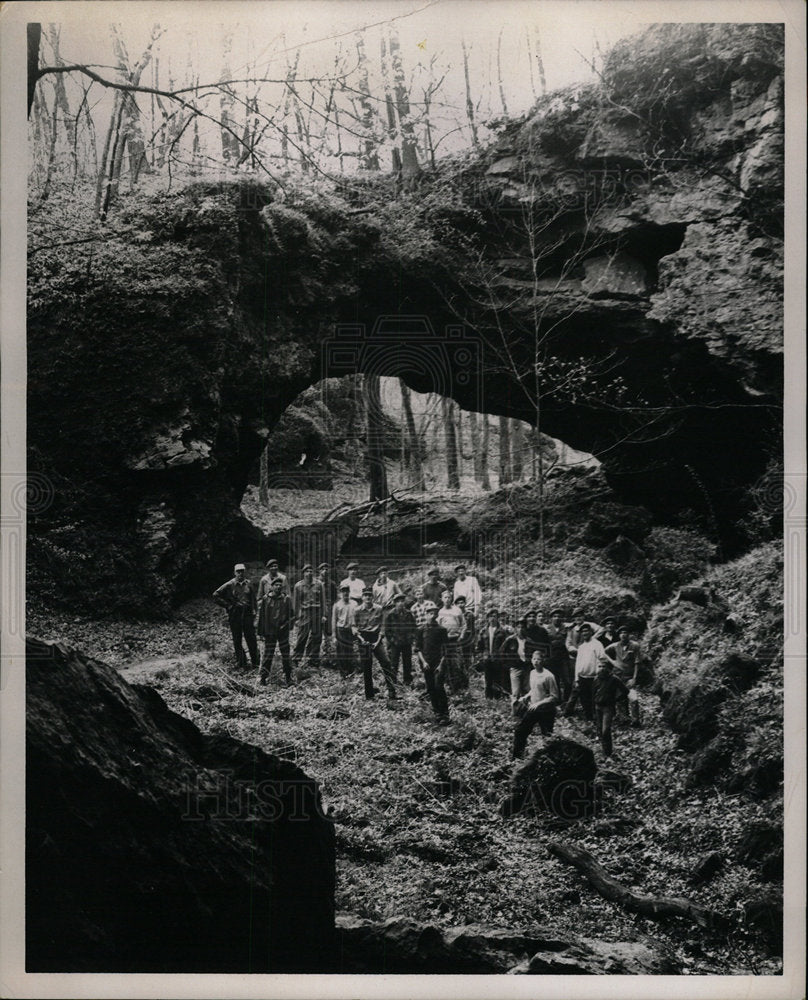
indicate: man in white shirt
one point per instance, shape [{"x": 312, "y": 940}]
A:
[
  {"x": 342, "y": 623},
  {"x": 543, "y": 700},
  {"x": 452, "y": 619},
  {"x": 588, "y": 657},
  {"x": 354, "y": 584},
  {"x": 468, "y": 587}
]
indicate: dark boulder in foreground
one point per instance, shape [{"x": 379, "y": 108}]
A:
[
  {"x": 151, "y": 847},
  {"x": 557, "y": 778},
  {"x": 401, "y": 945}
]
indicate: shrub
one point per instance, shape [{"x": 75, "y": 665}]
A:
[{"x": 675, "y": 556}]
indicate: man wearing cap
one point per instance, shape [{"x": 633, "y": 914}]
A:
[
  {"x": 308, "y": 604},
  {"x": 625, "y": 655},
  {"x": 272, "y": 573},
  {"x": 384, "y": 590},
  {"x": 465, "y": 645},
  {"x": 331, "y": 592},
  {"x": 588, "y": 657},
  {"x": 355, "y": 585},
  {"x": 367, "y": 627},
  {"x": 399, "y": 632},
  {"x": 517, "y": 650},
  {"x": 608, "y": 633},
  {"x": 238, "y": 597},
  {"x": 490, "y": 641},
  {"x": 342, "y": 628},
  {"x": 274, "y": 623},
  {"x": 430, "y": 647},
  {"x": 559, "y": 663},
  {"x": 433, "y": 590}
]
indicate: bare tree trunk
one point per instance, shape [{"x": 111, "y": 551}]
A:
[
  {"x": 485, "y": 482},
  {"x": 452, "y": 476},
  {"x": 517, "y": 449},
  {"x": 409, "y": 144},
  {"x": 539, "y": 60},
  {"x": 263, "y": 488},
  {"x": 474, "y": 429},
  {"x": 504, "y": 451},
  {"x": 499, "y": 73},
  {"x": 416, "y": 460},
  {"x": 391, "y": 116},
  {"x": 369, "y": 159},
  {"x": 469, "y": 103},
  {"x": 377, "y": 473}
]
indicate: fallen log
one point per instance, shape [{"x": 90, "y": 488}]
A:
[{"x": 654, "y": 907}]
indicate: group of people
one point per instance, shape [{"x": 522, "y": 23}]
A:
[{"x": 541, "y": 667}]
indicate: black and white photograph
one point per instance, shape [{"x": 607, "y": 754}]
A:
[{"x": 404, "y": 510}]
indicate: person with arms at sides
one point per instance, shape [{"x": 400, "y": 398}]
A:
[
  {"x": 607, "y": 633},
  {"x": 384, "y": 590},
  {"x": 399, "y": 633},
  {"x": 354, "y": 584},
  {"x": 331, "y": 592},
  {"x": 419, "y": 606},
  {"x": 274, "y": 623},
  {"x": 516, "y": 652},
  {"x": 272, "y": 573},
  {"x": 543, "y": 700},
  {"x": 625, "y": 656},
  {"x": 588, "y": 657},
  {"x": 430, "y": 647},
  {"x": 367, "y": 628},
  {"x": 606, "y": 690},
  {"x": 308, "y": 606},
  {"x": 465, "y": 644},
  {"x": 559, "y": 664},
  {"x": 467, "y": 586},
  {"x": 342, "y": 628},
  {"x": 237, "y": 596},
  {"x": 434, "y": 588},
  {"x": 491, "y": 640},
  {"x": 453, "y": 620}
]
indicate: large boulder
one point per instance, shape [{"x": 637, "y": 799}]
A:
[
  {"x": 401, "y": 945},
  {"x": 151, "y": 847},
  {"x": 557, "y": 778}
]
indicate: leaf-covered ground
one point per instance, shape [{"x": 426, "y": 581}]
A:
[{"x": 416, "y": 806}]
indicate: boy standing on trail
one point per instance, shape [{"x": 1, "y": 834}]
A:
[
  {"x": 399, "y": 632},
  {"x": 431, "y": 644},
  {"x": 453, "y": 620},
  {"x": 238, "y": 597},
  {"x": 543, "y": 700},
  {"x": 589, "y": 655},
  {"x": 625, "y": 655},
  {"x": 491, "y": 647},
  {"x": 342, "y": 625},
  {"x": 559, "y": 664},
  {"x": 419, "y": 606},
  {"x": 607, "y": 689},
  {"x": 274, "y": 622},
  {"x": 308, "y": 600},
  {"x": 367, "y": 628}
]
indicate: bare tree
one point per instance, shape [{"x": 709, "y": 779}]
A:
[
  {"x": 377, "y": 472},
  {"x": 485, "y": 482},
  {"x": 416, "y": 466},
  {"x": 469, "y": 102},
  {"x": 452, "y": 474},
  {"x": 505, "y": 473}
]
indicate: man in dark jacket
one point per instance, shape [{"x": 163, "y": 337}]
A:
[
  {"x": 274, "y": 622},
  {"x": 606, "y": 690},
  {"x": 559, "y": 663},
  {"x": 399, "y": 632},
  {"x": 433, "y": 590},
  {"x": 516, "y": 653},
  {"x": 431, "y": 643},
  {"x": 367, "y": 627},
  {"x": 490, "y": 640},
  {"x": 238, "y": 597}
]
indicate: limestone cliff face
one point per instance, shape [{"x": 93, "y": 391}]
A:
[{"x": 634, "y": 226}]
